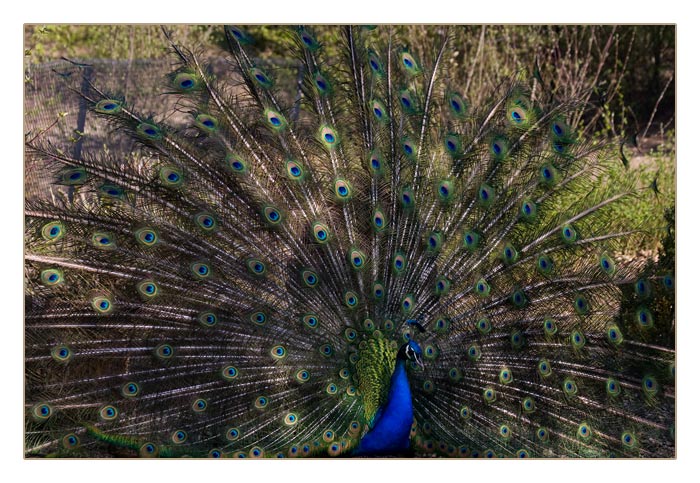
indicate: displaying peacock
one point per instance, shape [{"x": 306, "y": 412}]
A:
[{"x": 371, "y": 266}]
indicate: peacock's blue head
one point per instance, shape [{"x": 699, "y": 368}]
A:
[{"x": 411, "y": 351}]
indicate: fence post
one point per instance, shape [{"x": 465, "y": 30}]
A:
[{"x": 82, "y": 114}]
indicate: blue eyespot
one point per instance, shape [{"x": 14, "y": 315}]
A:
[
  {"x": 108, "y": 106},
  {"x": 230, "y": 372},
  {"x": 668, "y": 281},
  {"x": 164, "y": 351},
  {"x": 131, "y": 389},
  {"x": 311, "y": 321},
  {"x": 108, "y": 413},
  {"x": 70, "y": 441},
  {"x": 207, "y": 319},
  {"x": 642, "y": 288}
]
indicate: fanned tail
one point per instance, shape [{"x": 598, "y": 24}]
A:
[{"x": 242, "y": 287}]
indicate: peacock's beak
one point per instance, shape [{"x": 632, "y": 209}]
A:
[{"x": 419, "y": 361}]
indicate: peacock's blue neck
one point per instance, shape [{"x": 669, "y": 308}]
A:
[{"x": 391, "y": 431}]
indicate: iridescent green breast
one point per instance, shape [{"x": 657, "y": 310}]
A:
[{"x": 373, "y": 370}]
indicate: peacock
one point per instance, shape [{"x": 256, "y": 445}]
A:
[{"x": 363, "y": 264}]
